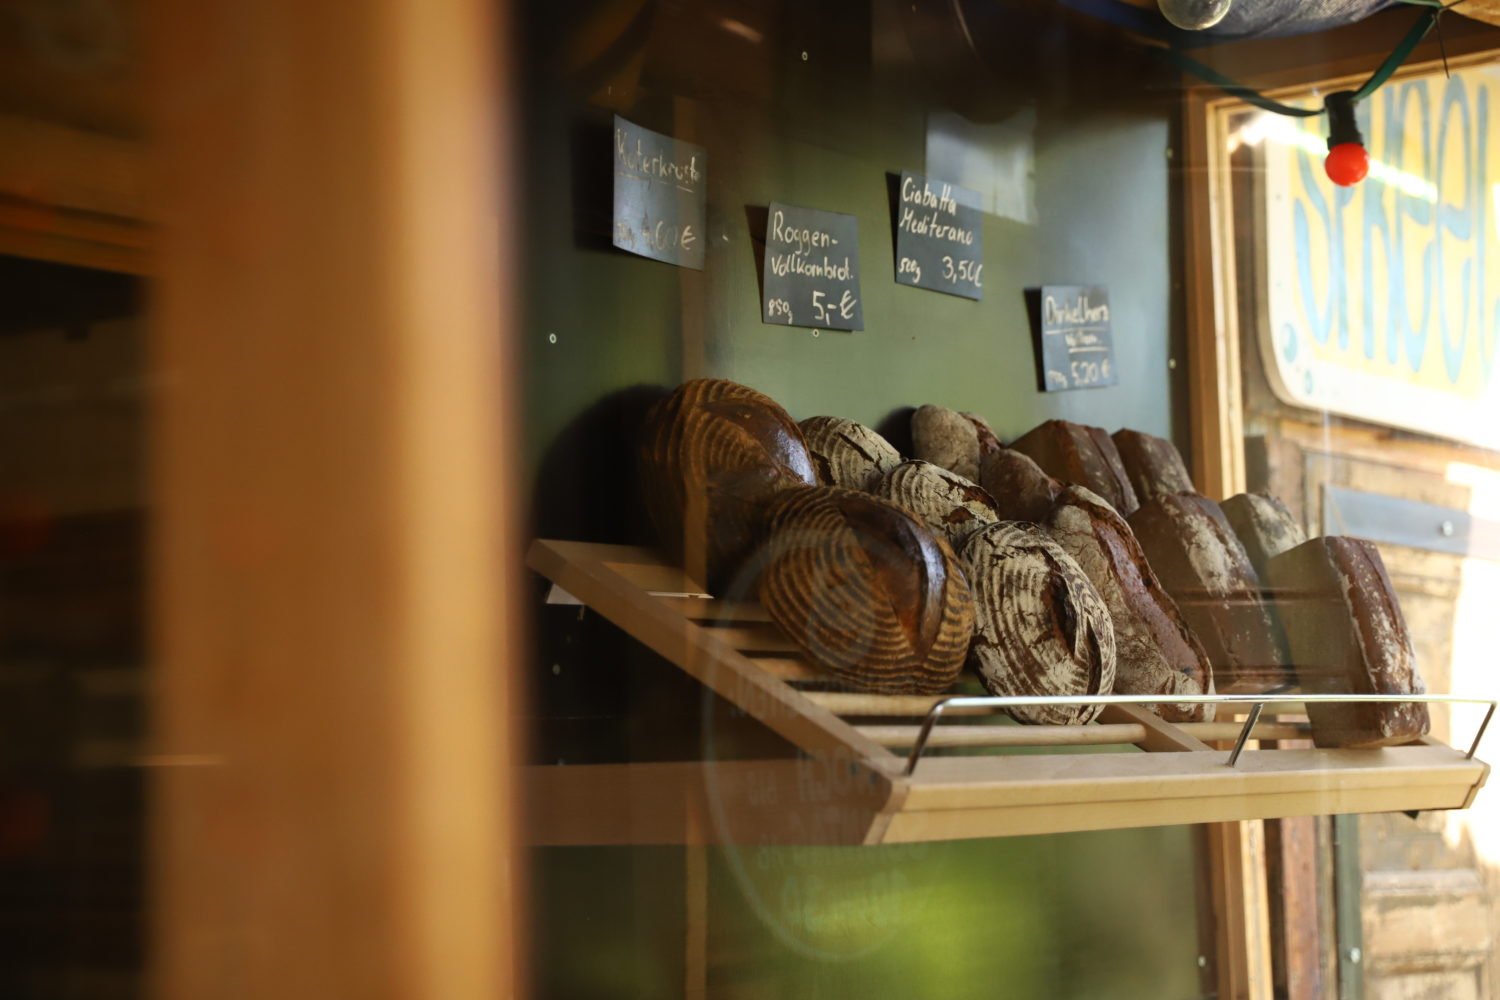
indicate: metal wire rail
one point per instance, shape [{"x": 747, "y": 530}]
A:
[{"x": 1257, "y": 702}]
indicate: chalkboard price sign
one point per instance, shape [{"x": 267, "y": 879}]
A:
[
  {"x": 660, "y": 194},
  {"x": 1075, "y": 349},
  {"x": 938, "y": 239},
  {"x": 812, "y": 269}
]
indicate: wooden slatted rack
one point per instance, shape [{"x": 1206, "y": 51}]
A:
[{"x": 850, "y": 786}]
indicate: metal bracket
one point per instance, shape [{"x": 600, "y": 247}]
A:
[{"x": 1257, "y": 703}]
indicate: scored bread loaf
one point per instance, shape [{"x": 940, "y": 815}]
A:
[
  {"x": 945, "y": 501},
  {"x": 1264, "y": 527},
  {"x": 1040, "y": 626},
  {"x": 1019, "y": 487},
  {"x": 848, "y": 454},
  {"x": 1204, "y": 568},
  {"x": 713, "y": 454},
  {"x": 1086, "y": 456},
  {"x": 1155, "y": 651},
  {"x": 1153, "y": 464},
  {"x": 1348, "y": 636},
  {"x": 868, "y": 592},
  {"x": 945, "y": 438}
]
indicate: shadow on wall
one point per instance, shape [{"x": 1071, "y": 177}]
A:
[{"x": 588, "y": 486}]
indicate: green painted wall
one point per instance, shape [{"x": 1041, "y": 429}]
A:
[{"x": 1085, "y": 915}]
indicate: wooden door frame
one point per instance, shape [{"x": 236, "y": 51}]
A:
[
  {"x": 336, "y": 568},
  {"x": 1237, "y": 862}
]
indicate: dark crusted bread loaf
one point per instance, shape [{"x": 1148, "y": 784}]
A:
[
  {"x": 1264, "y": 527},
  {"x": 1155, "y": 651},
  {"x": 714, "y": 452},
  {"x": 848, "y": 454},
  {"x": 1019, "y": 487},
  {"x": 1348, "y": 636},
  {"x": 945, "y": 501},
  {"x": 945, "y": 438},
  {"x": 1076, "y": 453},
  {"x": 868, "y": 592},
  {"x": 1153, "y": 464},
  {"x": 1204, "y": 568},
  {"x": 1040, "y": 626}
]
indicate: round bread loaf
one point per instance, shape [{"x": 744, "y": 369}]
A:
[
  {"x": 714, "y": 453},
  {"x": 867, "y": 591},
  {"x": 1041, "y": 628},
  {"x": 1155, "y": 651},
  {"x": 945, "y": 501},
  {"x": 848, "y": 454},
  {"x": 947, "y": 438}
]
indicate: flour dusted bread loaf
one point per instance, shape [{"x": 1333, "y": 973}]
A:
[
  {"x": 1264, "y": 527},
  {"x": 1204, "y": 568},
  {"x": 988, "y": 442},
  {"x": 848, "y": 454},
  {"x": 1153, "y": 464},
  {"x": 1348, "y": 636},
  {"x": 1155, "y": 651},
  {"x": 945, "y": 438},
  {"x": 713, "y": 454},
  {"x": 867, "y": 591},
  {"x": 1040, "y": 626},
  {"x": 1019, "y": 487},
  {"x": 1085, "y": 456},
  {"x": 945, "y": 501}
]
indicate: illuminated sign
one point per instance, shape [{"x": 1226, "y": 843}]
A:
[{"x": 1384, "y": 299}]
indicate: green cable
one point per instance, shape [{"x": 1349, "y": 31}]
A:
[{"x": 1399, "y": 55}]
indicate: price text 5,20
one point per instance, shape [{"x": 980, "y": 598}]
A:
[{"x": 1090, "y": 372}]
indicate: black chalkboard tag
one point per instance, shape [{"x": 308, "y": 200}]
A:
[
  {"x": 1073, "y": 343},
  {"x": 938, "y": 240},
  {"x": 812, "y": 269},
  {"x": 660, "y": 194}
]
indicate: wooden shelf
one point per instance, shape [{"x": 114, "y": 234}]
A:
[{"x": 849, "y": 786}]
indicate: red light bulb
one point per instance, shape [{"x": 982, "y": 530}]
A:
[{"x": 1347, "y": 163}]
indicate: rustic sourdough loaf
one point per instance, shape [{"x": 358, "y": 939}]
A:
[
  {"x": 1204, "y": 568},
  {"x": 1264, "y": 527},
  {"x": 1348, "y": 636},
  {"x": 945, "y": 438},
  {"x": 713, "y": 453},
  {"x": 1082, "y": 455},
  {"x": 848, "y": 454},
  {"x": 1019, "y": 487},
  {"x": 1040, "y": 626},
  {"x": 945, "y": 501},
  {"x": 868, "y": 592},
  {"x": 1153, "y": 464},
  {"x": 1155, "y": 651}
]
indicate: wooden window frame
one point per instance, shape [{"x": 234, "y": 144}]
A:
[{"x": 1236, "y": 860}]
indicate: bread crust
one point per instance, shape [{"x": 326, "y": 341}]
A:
[
  {"x": 1081, "y": 455},
  {"x": 945, "y": 501},
  {"x": 713, "y": 454},
  {"x": 867, "y": 591},
  {"x": 1153, "y": 464},
  {"x": 1040, "y": 626},
  {"x": 1155, "y": 650},
  {"x": 1348, "y": 636},
  {"x": 1019, "y": 487},
  {"x": 848, "y": 454},
  {"x": 1204, "y": 568}
]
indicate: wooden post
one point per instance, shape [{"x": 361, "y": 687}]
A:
[{"x": 335, "y": 563}]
